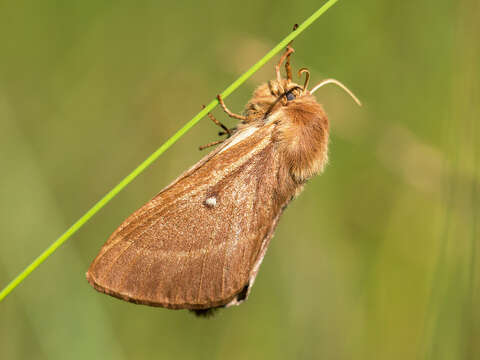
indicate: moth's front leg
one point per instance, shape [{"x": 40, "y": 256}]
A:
[
  {"x": 226, "y": 131},
  {"x": 229, "y": 113}
]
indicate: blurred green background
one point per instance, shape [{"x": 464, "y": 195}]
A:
[{"x": 375, "y": 260}]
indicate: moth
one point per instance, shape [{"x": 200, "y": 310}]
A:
[{"x": 199, "y": 243}]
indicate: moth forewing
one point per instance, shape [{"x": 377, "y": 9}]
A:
[{"x": 184, "y": 250}]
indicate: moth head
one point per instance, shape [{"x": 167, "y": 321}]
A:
[
  {"x": 301, "y": 125},
  {"x": 279, "y": 94},
  {"x": 275, "y": 94}
]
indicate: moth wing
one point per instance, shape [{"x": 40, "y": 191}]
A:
[{"x": 198, "y": 243}]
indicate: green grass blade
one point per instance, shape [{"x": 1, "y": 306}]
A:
[{"x": 137, "y": 171}]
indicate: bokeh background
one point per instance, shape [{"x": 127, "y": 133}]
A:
[{"x": 375, "y": 260}]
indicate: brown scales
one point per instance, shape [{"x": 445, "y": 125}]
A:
[{"x": 198, "y": 244}]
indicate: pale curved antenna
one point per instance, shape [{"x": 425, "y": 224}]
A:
[{"x": 336, "y": 82}]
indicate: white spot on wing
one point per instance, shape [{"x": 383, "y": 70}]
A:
[
  {"x": 240, "y": 137},
  {"x": 211, "y": 201}
]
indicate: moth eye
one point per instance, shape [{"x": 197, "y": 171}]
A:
[{"x": 290, "y": 96}]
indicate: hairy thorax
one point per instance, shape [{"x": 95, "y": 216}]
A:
[{"x": 301, "y": 127}]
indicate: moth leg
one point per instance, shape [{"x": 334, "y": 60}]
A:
[
  {"x": 229, "y": 113},
  {"x": 213, "y": 143},
  {"x": 226, "y": 131},
  {"x": 232, "y": 130},
  {"x": 289, "y": 52},
  {"x": 288, "y": 67},
  {"x": 286, "y": 55}
]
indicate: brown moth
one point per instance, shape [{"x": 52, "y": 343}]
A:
[{"x": 199, "y": 243}]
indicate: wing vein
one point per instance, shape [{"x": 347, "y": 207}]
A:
[
  {"x": 116, "y": 259},
  {"x": 203, "y": 270}
]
